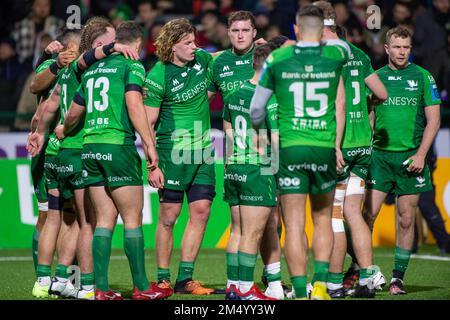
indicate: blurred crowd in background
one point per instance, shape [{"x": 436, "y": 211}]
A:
[{"x": 27, "y": 27}]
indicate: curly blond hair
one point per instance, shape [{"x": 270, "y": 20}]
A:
[
  {"x": 171, "y": 33},
  {"x": 94, "y": 28}
]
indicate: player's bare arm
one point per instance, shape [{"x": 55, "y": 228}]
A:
[
  {"x": 229, "y": 140},
  {"x": 136, "y": 112},
  {"x": 49, "y": 110},
  {"x": 155, "y": 175},
  {"x": 433, "y": 116},
  {"x": 73, "y": 116},
  {"x": 379, "y": 92},
  {"x": 340, "y": 123}
]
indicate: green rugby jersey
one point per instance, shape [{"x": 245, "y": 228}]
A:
[
  {"x": 182, "y": 96},
  {"x": 69, "y": 82},
  {"x": 103, "y": 87},
  {"x": 400, "y": 120},
  {"x": 53, "y": 142},
  {"x": 358, "y": 132},
  {"x": 228, "y": 71},
  {"x": 237, "y": 112},
  {"x": 304, "y": 79}
]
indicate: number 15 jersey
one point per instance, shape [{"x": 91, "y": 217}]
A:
[{"x": 304, "y": 78}]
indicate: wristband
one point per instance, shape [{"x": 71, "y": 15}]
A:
[
  {"x": 89, "y": 57},
  {"x": 107, "y": 49},
  {"x": 54, "y": 68}
]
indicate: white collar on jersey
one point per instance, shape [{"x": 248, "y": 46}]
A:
[{"x": 307, "y": 44}]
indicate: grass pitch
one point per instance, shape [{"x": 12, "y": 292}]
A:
[{"x": 427, "y": 277}]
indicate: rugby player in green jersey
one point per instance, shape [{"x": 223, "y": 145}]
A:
[
  {"x": 110, "y": 97},
  {"x": 306, "y": 81},
  {"x": 356, "y": 148},
  {"x": 245, "y": 170},
  {"x": 405, "y": 126},
  {"x": 96, "y": 32},
  {"x": 51, "y": 229},
  {"x": 37, "y": 163},
  {"x": 227, "y": 71},
  {"x": 177, "y": 94}
]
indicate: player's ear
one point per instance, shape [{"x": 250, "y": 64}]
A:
[
  {"x": 386, "y": 47},
  {"x": 297, "y": 31}
]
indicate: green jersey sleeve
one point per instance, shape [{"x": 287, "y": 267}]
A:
[
  {"x": 154, "y": 86},
  {"x": 44, "y": 65},
  {"x": 135, "y": 74},
  {"x": 203, "y": 55},
  {"x": 272, "y": 116},
  {"x": 367, "y": 67},
  {"x": 431, "y": 94},
  {"x": 266, "y": 79},
  {"x": 211, "y": 77}
]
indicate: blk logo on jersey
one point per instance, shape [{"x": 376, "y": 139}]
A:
[{"x": 393, "y": 78}]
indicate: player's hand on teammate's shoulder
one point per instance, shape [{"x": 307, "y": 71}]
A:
[
  {"x": 54, "y": 47},
  {"x": 127, "y": 51},
  {"x": 417, "y": 164},
  {"x": 59, "y": 131}
]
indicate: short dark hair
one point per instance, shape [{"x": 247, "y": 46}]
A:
[
  {"x": 260, "y": 55},
  {"x": 341, "y": 32},
  {"x": 242, "y": 16},
  {"x": 310, "y": 11},
  {"x": 128, "y": 31},
  {"x": 277, "y": 41}
]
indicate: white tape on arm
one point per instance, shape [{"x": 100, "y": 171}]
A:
[{"x": 43, "y": 206}]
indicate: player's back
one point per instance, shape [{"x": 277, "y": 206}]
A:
[
  {"x": 104, "y": 86},
  {"x": 237, "y": 112},
  {"x": 304, "y": 79},
  {"x": 357, "y": 130}
]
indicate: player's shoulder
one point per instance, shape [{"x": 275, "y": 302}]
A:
[
  {"x": 44, "y": 65},
  {"x": 342, "y": 46},
  {"x": 336, "y": 51},
  {"x": 358, "y": 52},
  {"x": 421, "y": 70},
  {"x": 158, "y": 69},
  {"x": 201, "y": 54},
  {"x": 383, "y": 70},
  {"x": 281, "y": 54}
]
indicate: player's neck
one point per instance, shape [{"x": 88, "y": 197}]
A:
[
  {"x": 241, "y": 52},
  {"x": 179, "y": 63},
  {"x": 329, "y": 35},
  {"x": 394, "y": 66}
]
